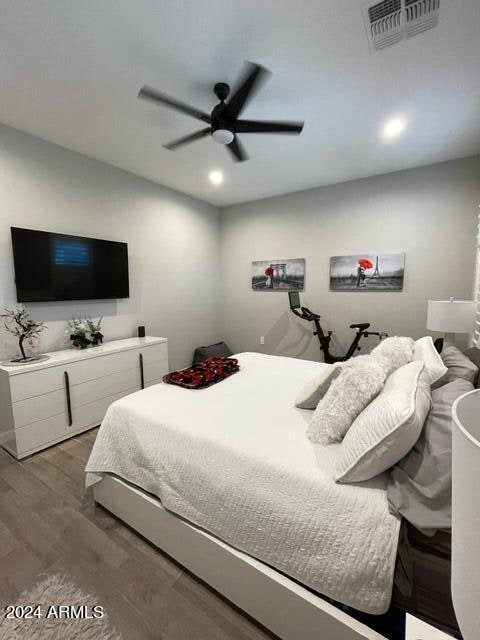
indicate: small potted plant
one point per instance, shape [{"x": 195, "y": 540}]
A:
[
  {"x": 85, "y": 332},
  {"x": 94, "y": 329},
  {"x": 19, "y": 323}
]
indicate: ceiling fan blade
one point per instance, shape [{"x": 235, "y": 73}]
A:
[
  {"x": 237, "y": 150},
  {"x": 267, "y": 126},
  {"x": 186, "y": 139},
  {"x": 254, "y": 76},
  {"x": 148, "y": 93}
]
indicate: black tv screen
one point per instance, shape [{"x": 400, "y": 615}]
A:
[{"x": 53, "y": 266}]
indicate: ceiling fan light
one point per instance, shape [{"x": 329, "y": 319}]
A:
[{"x": 222, "y": 136}]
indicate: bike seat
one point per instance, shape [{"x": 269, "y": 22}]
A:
[{"x": 362, "y": 326}]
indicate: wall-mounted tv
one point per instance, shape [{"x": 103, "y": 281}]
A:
[{"x": 53, "y": 266}]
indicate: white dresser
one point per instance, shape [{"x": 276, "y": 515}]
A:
[{"x": 44, "y": 403}]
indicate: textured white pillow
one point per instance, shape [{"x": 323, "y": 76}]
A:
[
  {"x": 388, "y": 428},
  {"x": 398, "y": 350},
  {"x": 313, "y": 391},
  {"x": 360, "y": 380},
  {"x": 424, "y": 350}
]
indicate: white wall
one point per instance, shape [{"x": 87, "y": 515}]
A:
[
  {"x": 428, "y": 213},
  {"x": 173, "y": 243}
]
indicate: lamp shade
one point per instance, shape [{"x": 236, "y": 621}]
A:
[
  {"x": 466, "y": 513},
  {"x": 451, "y": 316}
]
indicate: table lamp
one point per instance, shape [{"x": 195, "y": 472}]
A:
[{"x": 450, "y": 317}]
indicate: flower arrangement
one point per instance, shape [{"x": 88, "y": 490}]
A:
[
  {"x": 19, "y": 323},
  {"x": 85, "y": 332}
]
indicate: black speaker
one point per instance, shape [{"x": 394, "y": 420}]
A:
[{"x": 141, "y": 332}]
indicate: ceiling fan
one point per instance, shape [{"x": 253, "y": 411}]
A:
[{"x": 223, "y": 122}]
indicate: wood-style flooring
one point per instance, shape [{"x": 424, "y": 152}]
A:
[{"x": 50, "y": 524}]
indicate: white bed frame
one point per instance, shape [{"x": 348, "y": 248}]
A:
[{"x": 280, "y": 604}]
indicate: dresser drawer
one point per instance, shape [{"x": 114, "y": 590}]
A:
[
  {"x": 121, "y": 382},
  {"x": 105, "y": 366},
  {"x": 36, "y": 383},
  {"x": 154, "y": 370},
  {"x": 36, "y": 409},
  {"x": 154, "y": 352},
  {"x": 43, "y": 432},
  {"x": 50, "y": 404}
]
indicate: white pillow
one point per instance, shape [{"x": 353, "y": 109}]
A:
[
  {"x": 398, "y": 349},
  {"x": 360, "y": 380},
  {"x": 424, "y": 350},
  {"x": 388, "y": 428},
  {"x": 313, "y": 391}
]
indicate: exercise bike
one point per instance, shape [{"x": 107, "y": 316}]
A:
[{"x": 361, "y": 330}]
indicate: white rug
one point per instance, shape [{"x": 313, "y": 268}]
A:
[{"x": 48, "y": 595}]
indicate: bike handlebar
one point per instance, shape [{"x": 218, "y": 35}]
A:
[{"x": 306, "y": 314}]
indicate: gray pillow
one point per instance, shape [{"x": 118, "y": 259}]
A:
[
  {"x": 420, "y": 485},
  {"x": 458, "y": 366},
  {"x": 473, "y": 354},
  {"x": 219, "y": 350},
  {"x": 314, "y": 390}
]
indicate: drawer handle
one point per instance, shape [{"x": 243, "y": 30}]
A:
[
  {"x": 69, "y": 403},
  {"x": 142, "y": 377}
]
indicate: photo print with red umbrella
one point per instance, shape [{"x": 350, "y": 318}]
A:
[{"x": 367, "y": 272}]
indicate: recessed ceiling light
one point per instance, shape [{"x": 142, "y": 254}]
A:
[
  {"x": 216, "y": 177},
  {"x": 393, "y": 128}
]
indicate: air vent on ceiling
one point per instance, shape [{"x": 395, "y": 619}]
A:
[
  {"x": 390, "y": 21},
  {"x": 420, "y": 15}
]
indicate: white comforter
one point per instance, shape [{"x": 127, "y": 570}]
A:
[{"x": 234, "y": 459}]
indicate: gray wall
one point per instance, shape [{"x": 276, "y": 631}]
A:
[
  {"x": 428, "y": 213},
  {"x": 173, "y": 243}
]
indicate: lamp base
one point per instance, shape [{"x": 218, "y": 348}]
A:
[{"x": 447, "y": 341}]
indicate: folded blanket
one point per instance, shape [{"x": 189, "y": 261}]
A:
[{"x": 203, "y": 374}]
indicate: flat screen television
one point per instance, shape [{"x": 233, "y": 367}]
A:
[{"x": 53, "y": 266}]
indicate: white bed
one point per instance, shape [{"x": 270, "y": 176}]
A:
[{"x": 234, "y": 460}]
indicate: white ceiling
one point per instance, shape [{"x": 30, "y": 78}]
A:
[{"x": 70, "y": 71}]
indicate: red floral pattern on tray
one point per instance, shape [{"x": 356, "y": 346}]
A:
[{"x": 203, "y": 374}]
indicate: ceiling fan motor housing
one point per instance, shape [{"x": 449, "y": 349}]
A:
[
  {"x": 221, "y": 90},
  {"x": 221, "y": 132}
]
